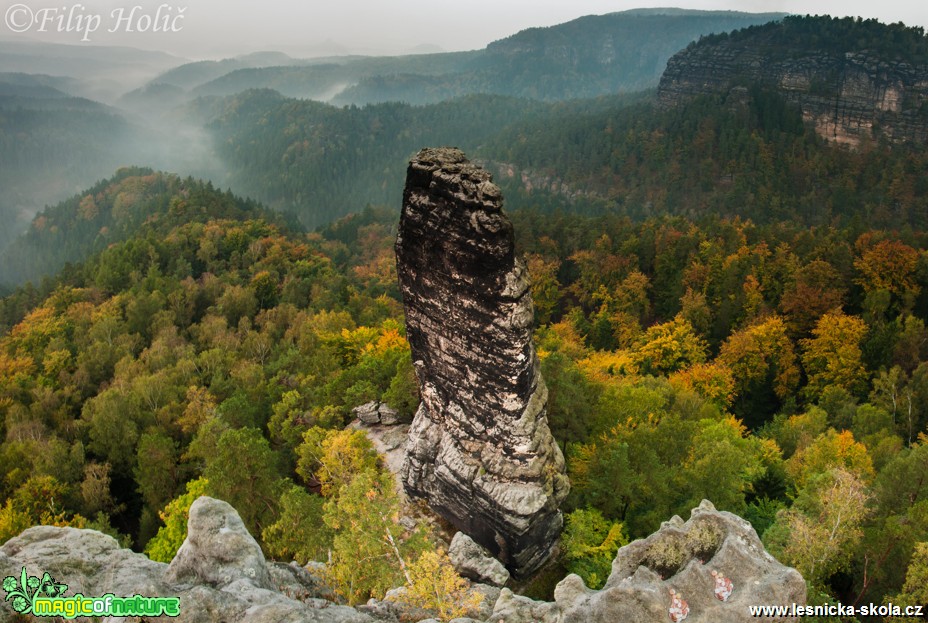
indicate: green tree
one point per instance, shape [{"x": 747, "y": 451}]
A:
[
  {"x": 403, "y": 393},
  {"x": 334, "y": 458},
  {"x": 819, "y": 534},
  {"x": 157, "y": 472},
  {"x": 723, "y": 464},
  {"x": 244, "y": 472},
  {"x": 163, "y": 547},
  {"x": 590, "y": 543},
  {"x": 366, "y": 558},
  {"x": 915, "y": 590},
  {"x": 299, "y": 533}
]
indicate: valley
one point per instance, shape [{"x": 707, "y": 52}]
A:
[{"x": 659, "y": 264}]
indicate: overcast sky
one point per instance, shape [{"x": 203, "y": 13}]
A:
[{"x": 218, "y": 28}]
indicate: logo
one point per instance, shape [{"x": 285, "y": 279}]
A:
[
  {"x": 45, "y": 598},
  {"x": 83, "y": 23}
]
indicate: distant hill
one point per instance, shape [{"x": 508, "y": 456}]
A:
[
  {"x": 601, "y": 54},
  {"x": 744, "y": 154},
  {"x": 34, "y": 85},
  {"x": 51, "y": 145},
  {"x": 587, "y": 57},
  {"x": 325, "y": 78},
  {"x": 190, "y": 75},
  {"x": 98, "y": 72},
  {"x": 321, "y": 162},
  {"x": 113, "y": 210},
  {"x": 853, "y": 79}
]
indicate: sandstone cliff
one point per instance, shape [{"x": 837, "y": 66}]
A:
[
  {"x": 480, "y": 451},
  {"x": 221, "y": 576},
  {"x": 847, "y": 78}
]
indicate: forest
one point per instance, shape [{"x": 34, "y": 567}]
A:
[
  {"x": 744, "y": 154},
  {"x": 727, "y": 307},
  {"x": 779, "y": 370}
]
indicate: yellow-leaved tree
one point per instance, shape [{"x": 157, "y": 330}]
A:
[
  {"x": 820, "y": 533},
  {"x": 435, "y": 586},
  {"x": 832, "y": 356},
  {"x": 164, "y": 545}
]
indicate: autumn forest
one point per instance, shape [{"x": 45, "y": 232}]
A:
[{"x": 731, "y": 309}]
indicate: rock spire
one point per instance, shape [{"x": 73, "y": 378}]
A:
[{"x": 480, "y": 450}]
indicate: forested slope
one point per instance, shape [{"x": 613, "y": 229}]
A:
[
  {"x": 778, "y": 370},
  {"x": 745, "y": 153}
]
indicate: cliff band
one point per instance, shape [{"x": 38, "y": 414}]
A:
[
  {"x": 845, "y": 92},
  {"x": 480, "y": 450}
]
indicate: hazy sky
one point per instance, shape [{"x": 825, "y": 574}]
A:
[{"x": 216, "y": 28}]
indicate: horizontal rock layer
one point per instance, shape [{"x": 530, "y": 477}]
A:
[
  {"x": 480, "y": 450},
  {"x": 844, "y": 96}
]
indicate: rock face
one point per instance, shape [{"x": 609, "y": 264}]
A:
[
  {"x": 714, "y": 563},
  {"x": 480, "y": 450},
  {"x": 844, "y": 91},
  {"x": 474, "y": 562}
]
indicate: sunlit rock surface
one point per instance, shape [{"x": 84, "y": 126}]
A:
[
  {"x": 714, "y": 564},
  {"x": 219, "y": 574}
]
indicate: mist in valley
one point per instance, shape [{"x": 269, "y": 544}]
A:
[{"x": 55, "y": 144}]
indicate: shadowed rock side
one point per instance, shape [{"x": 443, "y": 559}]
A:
[{"x": 480, "y": 450}]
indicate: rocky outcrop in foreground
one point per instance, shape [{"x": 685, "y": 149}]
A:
[
  {"x": 713, "y": 564},
  {"x": 480, "y": 450},
  {"x": 219, "y": 573},
  {"x": 845, "y": 91},
  {"x": 711, "y": 568}
]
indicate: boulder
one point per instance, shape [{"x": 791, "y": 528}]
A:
[
  {"x": 713, "y": 562},
  {"x": 475, "y": 562},
  {"x": 218, "y": 549},
  {"x": 388, "y": 415},
  {"x": 368, "y": 413},
  {"x": 219, "y": 573}
]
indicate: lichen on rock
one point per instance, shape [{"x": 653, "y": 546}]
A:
[
  {"x": 480, "y": 450},
  {"x": 677, "y": 561}
]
